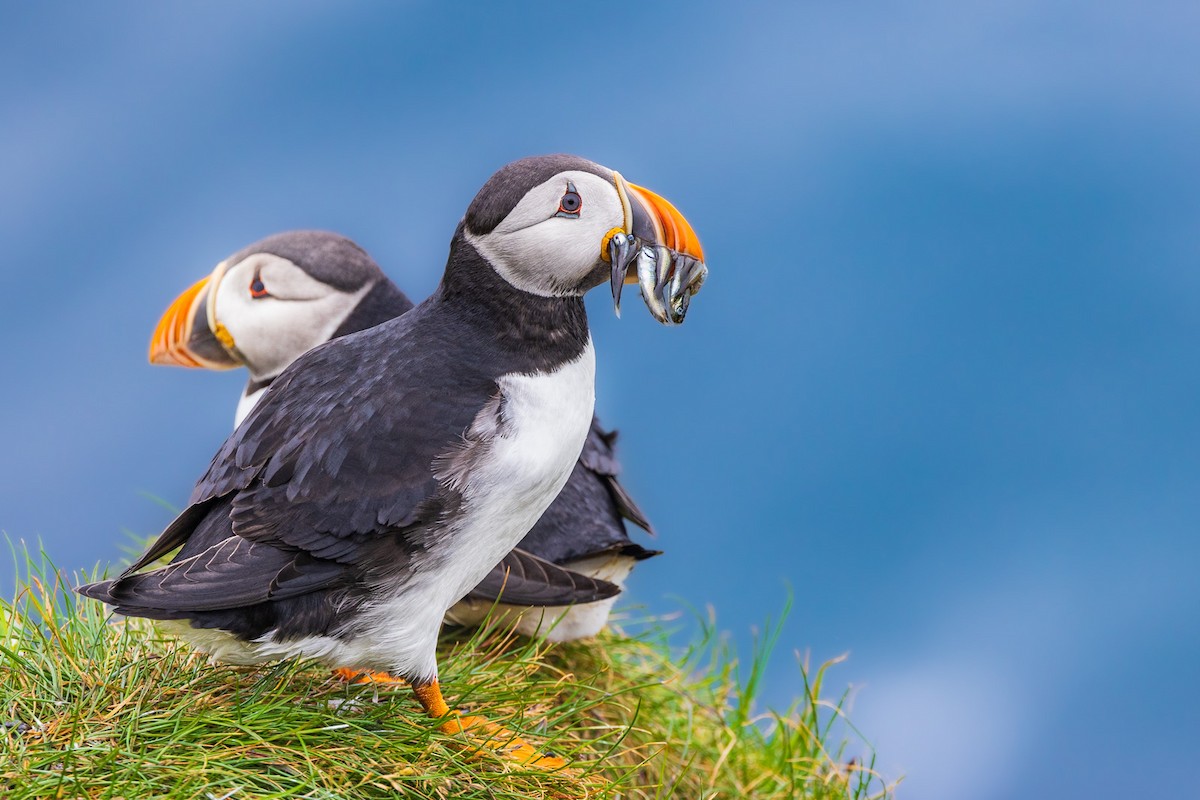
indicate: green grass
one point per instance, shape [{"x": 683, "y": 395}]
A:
[{"x": 101, "y": 707}]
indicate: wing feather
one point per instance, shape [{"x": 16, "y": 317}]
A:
[
  {"x": 338, "y": 454},
  {"x": 524, "y": 579}
]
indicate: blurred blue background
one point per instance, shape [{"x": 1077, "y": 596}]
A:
[{"x": 942, "y": 382}]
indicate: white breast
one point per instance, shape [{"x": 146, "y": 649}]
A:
[
  {"x": 246, "y": 404},
  {"x": 546, "y": 417},
  {"x": 519, "y": 472}
]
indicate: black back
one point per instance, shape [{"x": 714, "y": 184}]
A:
[{"x": 328, "y": 488}]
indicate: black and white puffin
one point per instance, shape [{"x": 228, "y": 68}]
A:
[
  {"x": 388, "y": 471},
  {"x": 269, "y": 303}
]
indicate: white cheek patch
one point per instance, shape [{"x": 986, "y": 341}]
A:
[
  {"x": 548, "y": 255},
  {"x": 286, "y": 281},
  {"x": 298, "y": 314}
]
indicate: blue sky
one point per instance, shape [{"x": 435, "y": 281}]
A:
[{"x": 941, "y": 383}]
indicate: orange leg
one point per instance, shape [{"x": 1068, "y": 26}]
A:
[
  {"x": 496, "y": 738},
  {"x": 360, "y": 676}
]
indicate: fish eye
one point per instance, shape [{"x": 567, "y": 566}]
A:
[{"x": 570, "y": 204}]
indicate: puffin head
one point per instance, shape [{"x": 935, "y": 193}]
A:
[
  {"x": 267, "y": 305},
  {"x": 559, "y": 225}
]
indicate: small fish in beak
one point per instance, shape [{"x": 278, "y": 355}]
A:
[
  {"x": 622, "y": 250},
  {"x": 659, "y": 251},
  {"x": 689, "y": 275},
  {"x": 667, "y": 279}
]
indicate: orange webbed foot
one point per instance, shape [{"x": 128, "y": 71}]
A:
[
  {"x": 366, "y": 676},
  {"x": 485, "y": 734},
  {"x": 502, "y": 741}
]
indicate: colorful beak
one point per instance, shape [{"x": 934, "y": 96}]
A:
[
  {"x": 655, "y": 219},
  {"x": 183, "y": 338},
  {"x": 659, "y": 251}
]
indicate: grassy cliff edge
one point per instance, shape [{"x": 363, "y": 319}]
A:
[{"x": 101, "y": 707}]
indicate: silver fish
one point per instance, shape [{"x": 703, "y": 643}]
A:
[
  {"x": 622, "y": 248},
  {"x": 649, "y": 261}
]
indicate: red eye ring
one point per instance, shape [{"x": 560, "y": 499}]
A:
[
  {"x": 257, "y": 288},
  {"x": 570, "y": 204}
]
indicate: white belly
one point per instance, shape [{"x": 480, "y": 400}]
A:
[{"x": 546, "y": 417}]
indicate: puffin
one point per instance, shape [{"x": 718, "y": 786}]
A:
[
  {"x": 386, "y": 472},
  {"x": 272, "y": 301}
]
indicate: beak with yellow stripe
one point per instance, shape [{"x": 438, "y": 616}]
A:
[
  {"x": 656, "y": 249},
  {"x": 186, "y": 335}
]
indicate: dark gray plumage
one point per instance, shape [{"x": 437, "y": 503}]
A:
[
  {"x": 385, "y": 472},
  {"x": 372, "y": 409},
  {"x": 331, "y": 259},
  {"x": 585, "y": 522},
  {"x": 508, "y": 185}
]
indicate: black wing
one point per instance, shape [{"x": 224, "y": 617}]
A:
[
  {"x": 342, "y": 442},
  {"x": 599, "y": 456},
  {"x": 233, "y": 573},
  {"x": 330, "y": 471},
  {"x": 524, "y": 579},
  {"x": 180, "y": 531}
]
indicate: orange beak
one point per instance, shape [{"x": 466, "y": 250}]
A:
[
  {"x": 182, "y": 337},
  {"x": 658, "y": 250},
  {"x": 670, "y": 227}
]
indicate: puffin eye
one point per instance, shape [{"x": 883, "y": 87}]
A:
[
  {"x": 570, "y": 203},
  {"x": 258, "y": 288}
]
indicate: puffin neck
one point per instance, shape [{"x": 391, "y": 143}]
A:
[
  {"x": 547, "y": 330},
  {"x": 257, "y": 385},
  {"x": 383, "y": 302}
]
